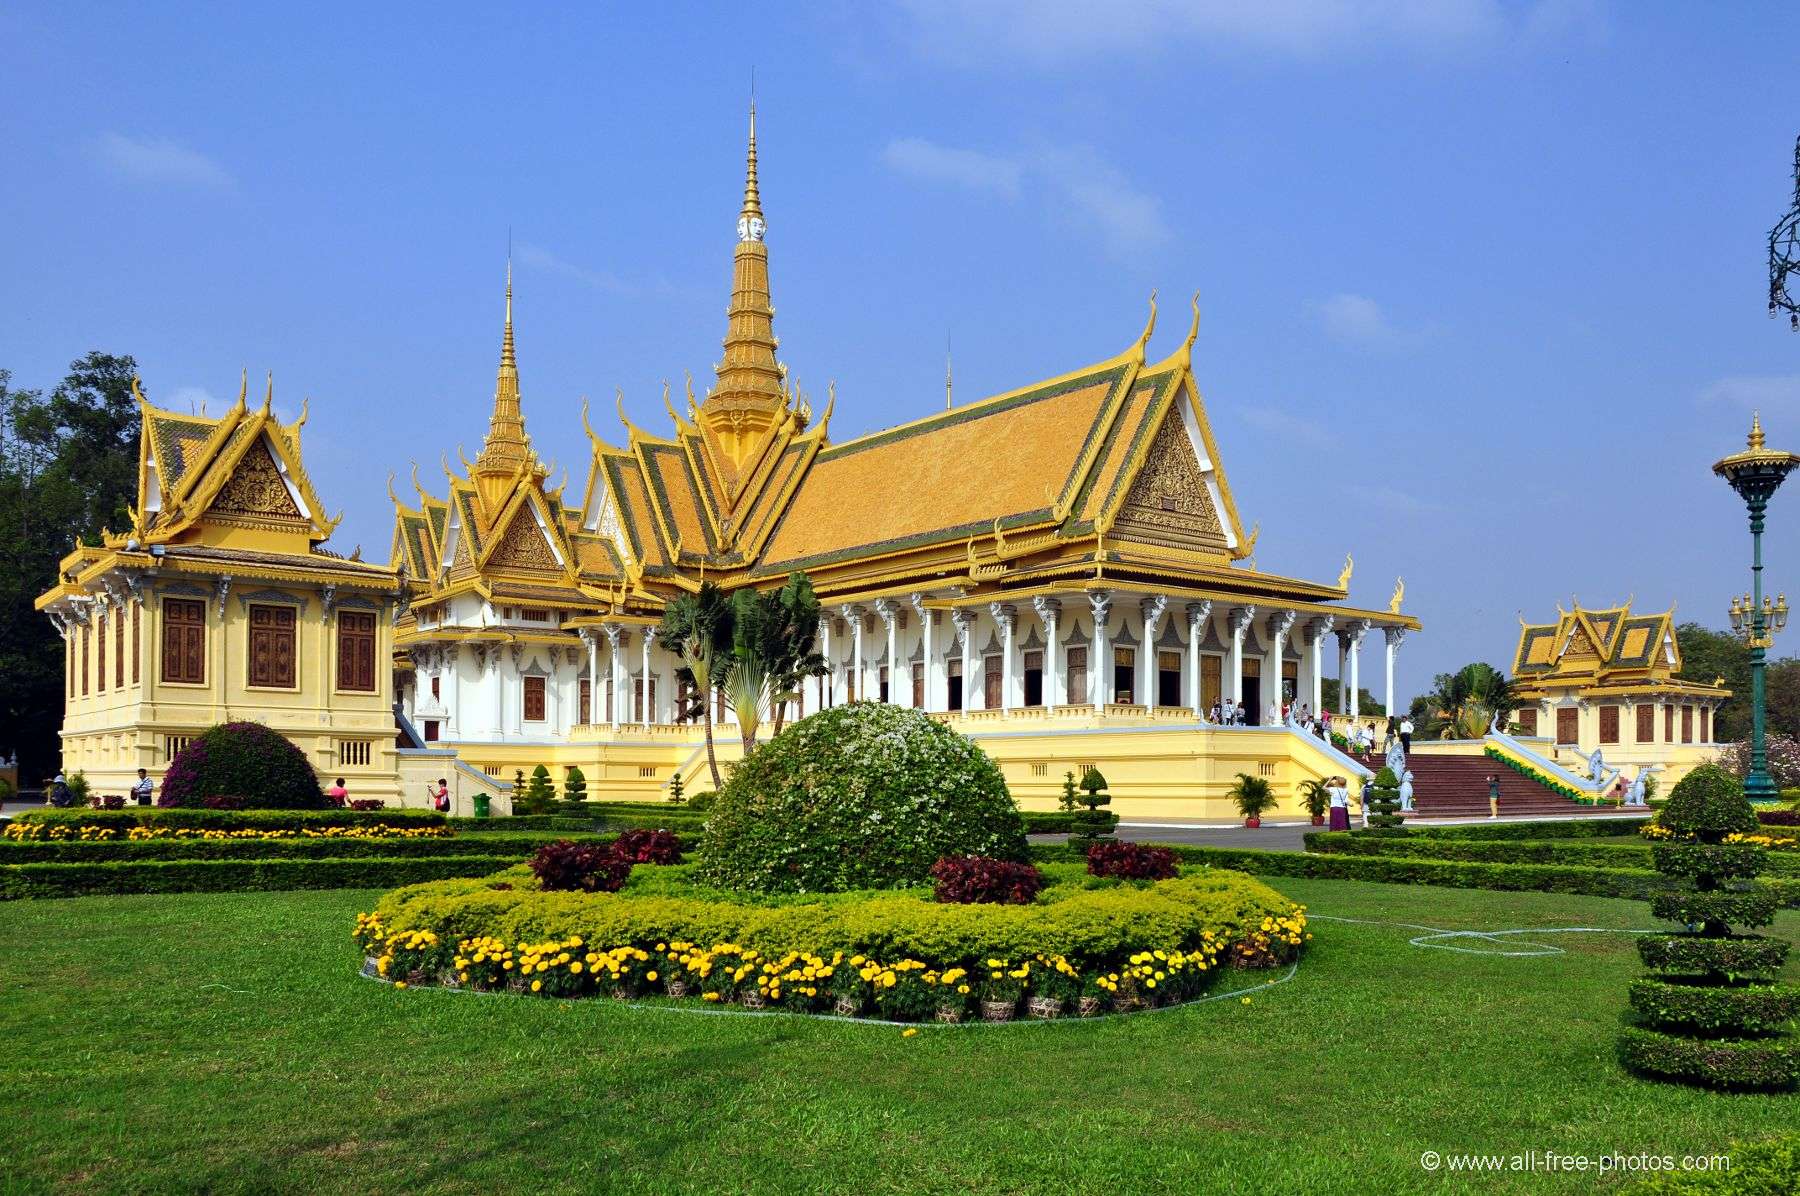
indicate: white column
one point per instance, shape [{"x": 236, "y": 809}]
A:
[
  {"x": 615, "y": 640},
  {"x": 1343, "y": 672},
  {"x": 965, "y": 641},
  {"x": 1197, "y": 615},
  {"x": 515, "y": 702},
  {"x": 1394, "y": 635},
  {"x": 453, "y": 702},
  {"x": 1240, "y": 623},
  {"x": 1280, "y": 624},
  {"x": 1047, "y": 610},
  {"x": 1007, "y": 616},
  {"x": 934, "y": 699},
  {"x": 1321, "y": 628},
  {"x": 649, "y": 707},
  {"x": 854, "y": 614},
  {"x": 889, "y": 610},
  {"x": 1099, "y": 667},
  {"x": 1356, "y": 638},
  {"x": 1153, "y": 609},
  {"x": 593, "y": 654},
  {"x": 823, "y": 684}
]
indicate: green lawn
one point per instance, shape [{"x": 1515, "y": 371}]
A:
[{"x": 222, "y": 1042}]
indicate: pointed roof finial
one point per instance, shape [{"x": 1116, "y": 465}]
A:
[
  {"x": 269, "y": 394},
  {"x": 752, "y": 197},
  {"x": 948, "y": 404},
  {"x": 1756, "y": 432},
  {"x": 506, "y": 448},
  {"x": 1149, "y": 327}
]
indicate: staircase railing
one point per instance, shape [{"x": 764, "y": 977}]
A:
[
  {"x": 1586, "y": 788},
  {"x": 1350, "y": 764}
]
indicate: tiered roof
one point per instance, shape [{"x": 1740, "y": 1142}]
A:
[{"x": 1609, "y": 650}]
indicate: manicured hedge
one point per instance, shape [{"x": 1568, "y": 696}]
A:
[
  {"x": 213, "y": 876},
  {"x": 520, "y": 822},
  {"x": 1736, "y": 1009},
  {"x": 1519, "y": 851},
  {"x": 76, "y": 851},
  {"x": 1562, "y": 828},
  {"x": 1741, "y": 955},
  {"x": 1726, "y": 907},
  {"x": 1056, "y": 822},
  {"x": 659, "y": 905},
  {"x": 1751, "y": 1063},
  {"x": 230, "y": 820},
  {"x": 1633, "y": 883}
]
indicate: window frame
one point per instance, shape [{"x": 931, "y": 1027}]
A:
[
  {"x": 274, "y": 633},
  {"x": 369, "y": 639},
  {"x": 197, "y": 628}
]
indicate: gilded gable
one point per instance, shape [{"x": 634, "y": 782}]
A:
[
  {"x": 522, "y": 545},
  {"x": 1169, "y": 501},
  {"x": 255, "y": 491}
]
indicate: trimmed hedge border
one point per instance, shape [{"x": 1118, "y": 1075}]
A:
[
  {"x": 1521, "y": 851},
  {"x": 216, "y": 876},
  {"x": 1749, "y": 908},
  {"x": 76, "y": 851},
  {"x": 1567, "y": 828},
  {"x": 1691, "y": 954},
  {"x": 1733, "y": 1009},
  {"x": 229, "y": 820},
  {"x": 521, "y": 822},
  {"x": 1631, "y": 883},
  {"x": 1754, "y": 1063}
]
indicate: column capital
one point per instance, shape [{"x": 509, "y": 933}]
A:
[
  {"x": 1282, "y": 621},
  {"x": 853, "y": 611},
  {"x": 1047, "y": 608},
  {"x": 614, "y": 634},
  {"x": 1100, "y": 602},
  {"x": 1319, "y": 628},
  {"x": 887, "y": 608},
  {"x": 1005, "y": 614},
  {"x": 917, "y": 599},
  {"x": 1199, "y": 612},
  {"x": 964, "y": 619},
  {"x": 1153, "y": 606},
  {"x": 1240, "y": 619},
  {"x": 1394, "y": 635}
]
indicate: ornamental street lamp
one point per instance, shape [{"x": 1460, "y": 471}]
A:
[{"x": 1756, "y": 473}]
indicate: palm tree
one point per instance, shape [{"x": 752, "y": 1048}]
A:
[
  {"x": 1466, "y": 702},
  {"x": 793, "y": 658},
  {"x": 698, "y": 628}
]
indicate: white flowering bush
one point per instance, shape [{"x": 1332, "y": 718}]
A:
[
  {"x": 1784, "y": 759},
  {"x": 863, "y": 796}
]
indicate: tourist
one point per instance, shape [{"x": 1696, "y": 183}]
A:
[
  {"x": 1493, "y": 796},
  {"x": 1368, "y": 791},
  {"x": 1339, "y": 798},
  {"x": 338, "y": 794},
  {"x": 1406, "y": 733},
  {"x": 1274, "y": 714},
  {"x": 440, "y": 800},
  {"x": 1213, "y": 715},
  {"x": 142, "y": 791},
  {"x": 60, "y": 797}
]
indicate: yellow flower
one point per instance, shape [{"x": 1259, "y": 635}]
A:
[
  {"x": 1246, "y": 1000},
  {"x": 399, "y": 984},
  {"x": 909, "y": 1032},
  {"x": 536, "y": 985},
  {"x": 649, "y": 975}
]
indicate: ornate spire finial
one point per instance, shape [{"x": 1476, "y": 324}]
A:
[
  {"x": 1143, "y": 339},
  {"x": 269, "y": 394},
  {"x": 1756, "y": 432},
  {"x": 948, "y": 403},
  {"x": 752, "y": 197},
  {"x": 507, "y": 449},
  {"x": 1187, "y": 346}
]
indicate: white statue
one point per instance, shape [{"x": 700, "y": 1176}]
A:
[
  {"x": 1596, "y": 766},
  {"x": 1406, "y": 793},
  {"x": 1638, "y": 793},
  {"x": 1396, "y": 758}
]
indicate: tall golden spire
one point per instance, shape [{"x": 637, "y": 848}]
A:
[
  {"x": 749, "y": 397},
  {"x": 507, "y": 450}
]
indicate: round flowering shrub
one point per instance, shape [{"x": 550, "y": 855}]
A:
[
  {"x": 864, "y": 796},
  {"x": 1783, "y": 752},
  {"x": 1707, "y": 805},
  {"x": 245, "y": 761}
]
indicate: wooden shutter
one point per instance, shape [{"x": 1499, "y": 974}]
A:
[
  {"x": 184, "y": 641},
  {"x": 1077, "y": 685},
  {"x": 585, "y": 702},
  {"x": 990, "y": 687},
  {"x": 1568, "y": 724},
  {"x": 118, "y": 649},
  {"x": 356, "y": 652},
  {"x": 271, "y": 663},
  {"x": 137, "y": 651},
  {"x": 1687, "y": 724},
  {"x": 1705, "y": 724},
  {"x": 100, "y": 651},
  {"x": 1528, "y": 721},
  {"x": 1609, "y": 724},
  {"x": 1646, "y": 723},
  {"x": 918, "y": 686},
  {"x": 534, "y": 699},
  {"x": 1668, "y": 724}
]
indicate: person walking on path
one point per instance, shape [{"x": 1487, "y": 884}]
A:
[
  {"x": 1368, "y": 789},
  {"x": 1406, "y": 732},
  {"x": 144, "y": 789},
  {"x": 1493, "y": 796},
  {"x": 1339, "y": 798}
]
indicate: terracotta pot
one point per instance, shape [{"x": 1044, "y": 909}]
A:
[
  {"x": 752, "y": 999},
  {"x": 1318, "y": 819},
  {"x": 950, "y": 1014},
  {"x": 1044, "y": 1008},
  {"x": 676, "y": 988},
  {"x": 847, "y": 1007},
  {"x": 1089, "y": 1007},
  {"x": 1253, "y": 822},
  {"x": 998, "y": 1011}
]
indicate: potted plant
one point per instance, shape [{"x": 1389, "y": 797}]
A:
[
  {"x": 1253, "y": 796},
  {"x": 1001, "y": 989},
  {"x": 953, "y": 995},
  {"x": 1316, "y": 795}
]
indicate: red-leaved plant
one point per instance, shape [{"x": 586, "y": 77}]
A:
[
  {"x": 648, "y": 847},
  {"x": 969, "y": 879},
  {"x": 368, "y": 803},
  {"x": 223, "y": 801},
  {"x": 584, "y": 867},
  {"x": 1131, "y": 861}
]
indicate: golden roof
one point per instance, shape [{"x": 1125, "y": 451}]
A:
[{"x": 1601, "y": 649}]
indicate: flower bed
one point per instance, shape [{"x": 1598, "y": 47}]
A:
[
  {"x": 892, "y": 954},
  {"x": 1531, "y": 771},
  {"x": 117, "y": 824},
  {"x": 232, "y": 876}
]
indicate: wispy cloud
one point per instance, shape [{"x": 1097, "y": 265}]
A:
[
  {"x": 1287, "y": 426},
  {"x": 1768, "y": 392},
  {"x": 536, "y": 257},
  {"x": 158, "y": 161},
  {"x": 1390, "y": 500},
  {"x": 190, "y": 398},
  {"x": 1359, "y": 320},
  {"x": 1047, "y": 32},
  {"x": 918, "y": 158},
  {"x": 1078, "y": 185}
]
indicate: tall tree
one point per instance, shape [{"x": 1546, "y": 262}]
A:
[
  {"x": 1707, "y": 655},
  {"x": 698, "y": 628},
  {"x": 68, "y": 470}
]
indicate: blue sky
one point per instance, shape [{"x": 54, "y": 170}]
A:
[{"x": 1483, "y": 282}]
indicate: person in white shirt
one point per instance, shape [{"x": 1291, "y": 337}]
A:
[
  {"x": 143, "y": 791},
  {"x": 1406, "y": 732}
]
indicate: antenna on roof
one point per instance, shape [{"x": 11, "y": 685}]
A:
[{"x": 947, "y": 377}]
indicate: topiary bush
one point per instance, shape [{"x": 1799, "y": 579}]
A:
[
  {"x": 861, "y": 796},
  {"x": 538, "y": 796},
  {"x": 574, "y": 785},
  {"x": 1384, "y": 801},
  {"x": 1092, "y": 824},
  {"x": 248, "y": 762},
  {"x": 1713, "y": 1015}
]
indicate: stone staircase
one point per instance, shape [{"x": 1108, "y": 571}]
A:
[{"x": 1447, "y": 786}]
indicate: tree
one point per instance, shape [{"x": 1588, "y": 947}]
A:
[
  {"x": 574, "y": 785},
  {"x": 1463, "y": 704},
  {"x": 1366, "y": 703},
  {"x": 68, "y": 471},
  {"x": 1707, "y": 655},
  {"x": 793, "y": 658},
  {"x": 697, "y": 628},
  {"x": 539, "y": 793},
  {"x": 771, "y": 652}
]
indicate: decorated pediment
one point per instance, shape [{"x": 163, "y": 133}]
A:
[
  {"x": 1171, "y": 501},
  {"x": 256, "y": 491},
  {"x": 523, "y": 545}
]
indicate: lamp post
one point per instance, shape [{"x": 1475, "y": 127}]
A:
[{"x": 1756, "y": 473}]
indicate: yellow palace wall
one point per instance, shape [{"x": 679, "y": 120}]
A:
[{"x": 110, "y": 735}]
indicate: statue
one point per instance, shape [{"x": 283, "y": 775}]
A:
[
  {"x": 1396, "y": 757},
  {"x": 1399, "y": 593},
  {"x": 1638, "y": 793},
  {"x": 1343, "y": 582},
  {"x": 1596, "y": 766},
  {"x": 1406, "y": 790}
]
